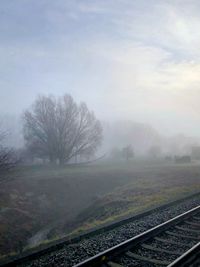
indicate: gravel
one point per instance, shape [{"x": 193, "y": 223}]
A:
[
  {"x": 179, "y": 239},
  {"x": 128, "y": 262},
  {"x": 167, "y": 246},
  {"x": 72, "y": 254},
  {"x": 155, "y": 255}
]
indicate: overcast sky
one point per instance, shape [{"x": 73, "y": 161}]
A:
[{"x": 132, "y": 59}]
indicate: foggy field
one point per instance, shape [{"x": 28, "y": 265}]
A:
[
  {"x": 46, "y": 202},
  {"x": 99, "y": 114}
]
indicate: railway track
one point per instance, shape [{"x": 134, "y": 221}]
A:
[
  {"x": 71, "y": 251},
  {"x": 173, "y": 243}
]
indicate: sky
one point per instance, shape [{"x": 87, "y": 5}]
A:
[{"x": 127, "y": 59}]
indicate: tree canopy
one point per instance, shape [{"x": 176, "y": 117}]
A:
[{"x": 59, "y": 129}]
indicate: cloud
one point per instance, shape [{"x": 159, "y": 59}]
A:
[
  {"x": 169, "y": 24},
  {"x": 148, "y": 80},
  {"x": 136, "y": 59}
]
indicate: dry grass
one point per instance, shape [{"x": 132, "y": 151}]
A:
[{"x": 80, "y": 198}]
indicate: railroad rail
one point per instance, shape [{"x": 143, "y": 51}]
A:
[
  {"x": 172, "y": 243},
  {"x": 47, "y": 251}
]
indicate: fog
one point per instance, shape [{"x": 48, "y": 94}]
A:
[
  {"x": 114, "y": 55},
  {"x": 99, "y": 113}
]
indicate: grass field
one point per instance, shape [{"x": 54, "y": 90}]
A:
[{"x": 74, "y": 199}]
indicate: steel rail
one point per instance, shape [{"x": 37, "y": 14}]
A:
[
  {"x": 33, "y": 254},
  {"x": 187, "y": 258},
  {"x": 110, "y": 253}
]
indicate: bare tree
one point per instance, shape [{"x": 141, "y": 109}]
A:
[
  {"x": 59, "y": 129},
  {"x": 8, "y": 159}
]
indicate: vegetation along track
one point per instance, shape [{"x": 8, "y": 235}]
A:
[
  {"x": 71, "y": 251},
  {"x": 162, "y": 245}
]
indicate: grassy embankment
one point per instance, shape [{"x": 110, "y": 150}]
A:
[{"x": 85, "y": 197}]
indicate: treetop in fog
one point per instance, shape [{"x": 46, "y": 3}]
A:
[{"x": 58, "y": 129}]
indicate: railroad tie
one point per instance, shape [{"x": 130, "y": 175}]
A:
[
  {"x": 163, "y": 240},
  {"x": 196, "y": 218},
  {"x": 188, "y": 230},
  {"x": 193, "y": 223},
  {"x": 142, "y": 258},
  {"x": 183, "y": 236},
  {"x": 160, "y": 249}
]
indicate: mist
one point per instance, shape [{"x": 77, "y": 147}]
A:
[
  {"x": 99, "y": 118},
  {"x": 112, "y": 55}
]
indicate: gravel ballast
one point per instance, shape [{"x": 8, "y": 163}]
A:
[{"x": 72, "y": 254}]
